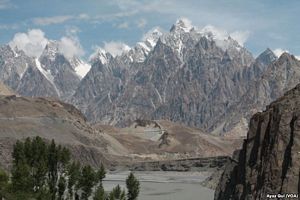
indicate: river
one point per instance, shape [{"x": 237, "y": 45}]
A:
[{"x": 165, "y": 185}]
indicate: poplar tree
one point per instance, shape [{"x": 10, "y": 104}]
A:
[{"x": 133, "y": 187}]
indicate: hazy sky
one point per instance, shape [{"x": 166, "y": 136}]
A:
[{"x": 90, "y": 23}]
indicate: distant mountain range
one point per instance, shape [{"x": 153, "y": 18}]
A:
[
  {"x": 186, "y": 75},
  {"x": 50, "y": 75}
]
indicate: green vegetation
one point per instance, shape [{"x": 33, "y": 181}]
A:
[
  {"x": 43, "y": 171},
  {"x": 133, "y": 187}
]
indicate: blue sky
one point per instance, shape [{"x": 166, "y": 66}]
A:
[{"x": 269, "y": 23}]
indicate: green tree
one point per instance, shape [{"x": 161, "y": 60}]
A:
[
  {"x": 133, "y": 187},
  {"x": 38, "y": 162},
  {"x": 21, "y": 179},
  {"x": 123, "y": 195},
  {"x": 99, "y": 193},
  {"x": 111, "y": 196},
  {"x": 52, "y": 168},
  {"x": 73, "y": 175},
  {"x": 61, "y": 187},
  {"x": 101, "y": 173},
  {"x": 3, "y": 183},
  {"x": 42, "y": 171},
  {"x": 29, "y": 167},
  {"x": 87, "y": 181},
  {"x": 117, "y": 193}
]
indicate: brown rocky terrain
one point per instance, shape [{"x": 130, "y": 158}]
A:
[
  {"x": 269, "y": 160},
  {"x": 22, "y": 117},
  {"x": 165, "y": 140},
  {"x": 4, "y": 90}
]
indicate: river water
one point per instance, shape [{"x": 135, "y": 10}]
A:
[{"x": 165, "y": 185}]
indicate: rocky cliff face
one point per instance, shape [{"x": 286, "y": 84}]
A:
[
  {"x": 269, "y": 160},
  {"x": 13, "y": 64},
  {"x": 59, "y": 70},
  {"x": 276, "y": 79}
]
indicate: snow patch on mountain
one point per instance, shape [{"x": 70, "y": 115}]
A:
[
  {"x": 142, "y": 49},
  {"x": 280, "y": 51},
  {"x": 51, "y": 49},
  {"x": 47, "y": 74},
  {"x": 182, "y": 24},
  {"x": 24, "y": 70},
  {"x": 99, "y": 54},
  {"x": 223, "y": 39},
  {"x": 82, "y": 69},
  {"x": 151, "y": 37},
  {"x": 116, "y": 48}
]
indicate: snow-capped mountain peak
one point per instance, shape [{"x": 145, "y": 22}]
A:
[
  {"x": 267, "y": 56},
  {"x": 100, "y": 54},
  {"x": 221, "y": 37},
  {"x": 81, "y": 68},
  {"x": 140, "y": 51},
  {"x": 51, "y": 49},
  {"x": 182, "y": 24},
  {"x": 150, "y": 39}
]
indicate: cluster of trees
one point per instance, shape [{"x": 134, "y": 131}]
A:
[{"x": 43, "y": 171}]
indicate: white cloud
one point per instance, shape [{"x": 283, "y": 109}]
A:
[
  {"x": 43, "y": 21},
  {"x": 83, "y": 16},
  {"x": 163, "y": 6},
  {"x": 187, "y": 23},
  {"x": 240, "y": 36},
  {"x": 71, "y": 31},
  {"x": 32, "y": 43},
  {"x": 220, "y": 34},
  {"x": 123, "y": 25},
  {"x": 279, "y": 51},
  {"x": 8, "y": 26},
  {"x": 217, "y": 33},
  {"x": 115, "y": 47},
  {"x": 141, "y": 23},
  {"x": 70, "y": 47}
]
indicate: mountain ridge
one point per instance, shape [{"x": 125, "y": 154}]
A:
[{"x": 190, "y": 75}]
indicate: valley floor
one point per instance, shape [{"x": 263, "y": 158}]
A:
[{"x": 165, "y": 185}]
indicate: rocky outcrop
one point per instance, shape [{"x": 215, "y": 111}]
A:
[
  {"x": 4, "y": 90},
  {"x": 276, "y": 79},
  {"x": 269, "y": 161}
]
